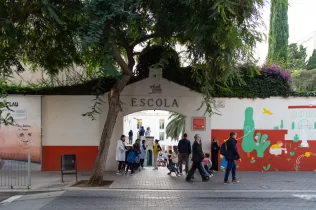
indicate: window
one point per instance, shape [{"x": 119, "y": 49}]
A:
[
  {"x": 161, "y": 136},
  {"x": 139, "y": 123},
  {"x": 161, "y": 124}
]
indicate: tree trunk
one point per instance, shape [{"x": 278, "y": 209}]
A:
[{"x": 114, "y": 109}]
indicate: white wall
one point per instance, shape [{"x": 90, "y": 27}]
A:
[{"x": 63, "y": 123}]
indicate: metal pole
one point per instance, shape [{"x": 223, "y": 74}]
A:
[{"x": 29, "y": 170}]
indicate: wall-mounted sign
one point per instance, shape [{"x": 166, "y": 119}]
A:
[
  {"x": 198, "y": 123},
  {"x": 13, "y": 103},
  {"x": 157, "y": 102},
  {"x": 155, "y": 89}
]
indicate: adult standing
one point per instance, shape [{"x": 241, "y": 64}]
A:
[
  {"x": 197, "y": 158},
  {"x": 143, "y": 151},
  {"x": 184, "y": 149},
  {"x": 231, "y": 154},
  {"x": 120, "y": 154},
  {"x": 156, "y": 151},
  {"x": 130, "y": 137},
  {"x": 215, "y": 149},
  {"x": 141, "y": 131}
]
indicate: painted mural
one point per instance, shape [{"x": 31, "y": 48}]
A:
[
  {"x": 290, "y": 144},
  {"x": 17, "y": 141}
]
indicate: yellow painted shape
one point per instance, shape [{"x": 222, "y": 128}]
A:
[
  {"x": 307, "y": 154},
  {"x": 275, "y": 146},
  {"x": 252, "y": 158},
  {"x": 267, "y": 111}
]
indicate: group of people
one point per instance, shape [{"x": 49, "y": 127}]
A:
[
  {"x": 141, "y": 132},
  {"x": 202, "y": 162},
  {"x": 133, "y": 158}
]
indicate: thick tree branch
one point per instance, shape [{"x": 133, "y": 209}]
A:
[
  {"x": 120, "y": 60},
  {"x": 144, "y": 38}
]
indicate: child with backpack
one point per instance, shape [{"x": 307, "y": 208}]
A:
[{"x": 131, "y": 159}]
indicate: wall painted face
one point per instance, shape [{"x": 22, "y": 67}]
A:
[{"x": 273, "y": 134}]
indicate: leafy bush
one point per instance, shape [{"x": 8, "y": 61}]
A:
[{"x": 304, "y": 80}]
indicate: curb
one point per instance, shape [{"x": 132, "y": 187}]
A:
[{"x": 27, "y": 192}]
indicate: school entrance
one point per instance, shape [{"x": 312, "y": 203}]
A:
[{"x": 157, "y": 93}]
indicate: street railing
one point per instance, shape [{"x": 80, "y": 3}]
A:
[{"x": 15, "y": 170}]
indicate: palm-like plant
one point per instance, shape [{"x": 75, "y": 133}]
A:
[{"x": 176, "y": 126}]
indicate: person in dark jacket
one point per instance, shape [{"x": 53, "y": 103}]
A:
[
  {"x": 184, "y": 150},
  {"x": 197, "y": 158},
  {"x": 215, "y": 149},
  {"x": 142, "y": 131},
  {"x": 130, "y": 137},
  {"x": 231, "y": 155}
]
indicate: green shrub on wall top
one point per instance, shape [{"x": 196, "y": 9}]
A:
[{"x": 271, "y": 81}]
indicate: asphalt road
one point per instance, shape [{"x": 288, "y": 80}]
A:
[{"x": 165, "y": 199}]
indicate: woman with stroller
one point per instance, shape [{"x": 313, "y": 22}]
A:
[
  {"x": 131, "y": 159},
  {"x": 173, "y": 162}
]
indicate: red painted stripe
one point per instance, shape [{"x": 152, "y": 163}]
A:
[
  {"x": 302, "y": 107},
  {"x": 85, "y": 156}
]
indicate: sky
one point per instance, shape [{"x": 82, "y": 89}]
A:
[{"x": 301, "y": 18}]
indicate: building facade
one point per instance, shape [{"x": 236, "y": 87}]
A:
[{"x": 274, "y": 134}]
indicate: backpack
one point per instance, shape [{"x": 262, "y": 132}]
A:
[
  {"x": 223, "y": 150},
  {"x": 131, "y": 158}
]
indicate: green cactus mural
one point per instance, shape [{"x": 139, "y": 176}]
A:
[
  {"x": 281, "y": 125},
  {"x": 262, "y": 144},
  {"x": 276, "y": 127},
  {"x": 314, "y": 125},
  {"x": 293, "y": 125},
  {"x": 249, "y": 144},
  {"x": 296, "y": 138}
]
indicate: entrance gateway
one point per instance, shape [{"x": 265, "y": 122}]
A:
[{"x": 157, "y": 93}]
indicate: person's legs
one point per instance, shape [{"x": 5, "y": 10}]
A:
[
  {"x": 180, "y": 162},
  {"x": 142, "y": 162},
  {"x": 186, "y": 159},
  {"x": 228, "y": 169},
  {"x": 234, "y": 170},
  {"x": 201, "y": 171},
  {"x": 205, "y": 173},
  {"x": 155, "y": 162},
  {"x": 119, "y": 167},
  {"x": 192, "y": 170}
]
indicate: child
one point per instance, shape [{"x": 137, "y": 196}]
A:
[
  {"x": 207, "y": 163},
  {"x": 131, "y": 159},
  {"x": 173, "y": 161}
]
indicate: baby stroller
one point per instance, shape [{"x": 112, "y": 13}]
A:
[
  {"x": 173, "y": 167},
  {"x": 137, "y": 163}
]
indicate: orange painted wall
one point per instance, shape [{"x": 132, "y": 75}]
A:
[
  {"x": 285, "y": 162},
  {"x": 85, "y": 156}
]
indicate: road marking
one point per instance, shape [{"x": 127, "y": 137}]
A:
[
  {"x": 9, "y": 200},
  {"x": 306, "y": 197}
]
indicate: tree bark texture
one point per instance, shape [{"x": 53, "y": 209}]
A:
[{"x": 114, "y": 109}]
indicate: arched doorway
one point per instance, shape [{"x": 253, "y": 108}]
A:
[{"x": 149, "y": 158}]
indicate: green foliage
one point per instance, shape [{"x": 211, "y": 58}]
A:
[
  {"x": 311, "y": 64},
  {"x": 279, "y": 32},
  {"x": 296, "y": 57},
  {"x": 304, "y": 80},
  {"x": 266, "y": 168},
  {"x": 176, "y": 126},
  {"x": 248, "y": 144}
]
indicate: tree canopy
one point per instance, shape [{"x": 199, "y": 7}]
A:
[
  {"x": 101, "y": 36},
  {"x": 296, "y": 57},
  {"x": 279, "y": 32},
  {"x": 311, "y": 64}
]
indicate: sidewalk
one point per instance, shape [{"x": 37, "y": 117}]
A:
[{"x": 159, "y": 180}]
